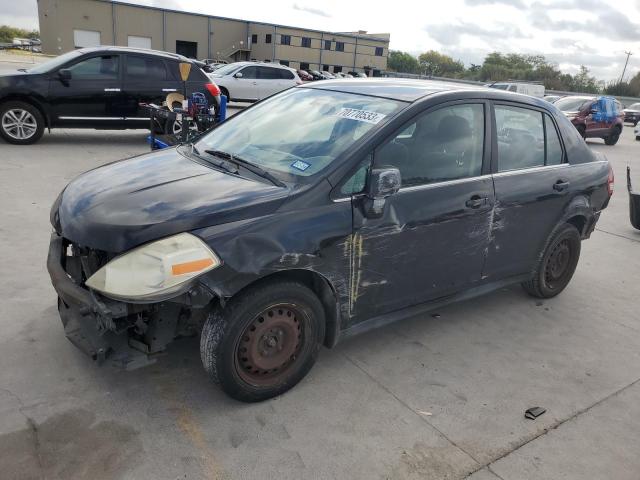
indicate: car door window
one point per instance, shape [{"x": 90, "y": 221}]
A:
[
  {"x": 440, "y": 145},
  {"x": 104, "y": 67},
  {"x": 249, "y": 73},
  {"x": 145, "y": 68},
  {"x": 520, "y": 135},
  {"x": 266, "y": 73},
  {"x": 555, "y": 155}
]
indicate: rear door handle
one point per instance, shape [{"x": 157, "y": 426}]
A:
[
  {"x": 476, "y": 201},
  {"x": 111, "y": 89},
  {"x": 560, "y": 185}
]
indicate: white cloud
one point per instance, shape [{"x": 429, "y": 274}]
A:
[{"x": 572, "y": 32}]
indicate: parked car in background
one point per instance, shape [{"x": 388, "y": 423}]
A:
[
  {"x": 632, "y": 113},
  {"x": 327, "y": 75},
  {"x": 358, "y": 74},
  {"x": 316, "y": 75},
  {"x": 252, "y": 81},
  {"x": 317, "y": 214},
  {"x": 99, "y": 88},
  {"x": 594, "y": 117},
  {"x": 304, "y": 75},
  {"x": 552, "y": 98},
  {"x": 532, "y": 89}
]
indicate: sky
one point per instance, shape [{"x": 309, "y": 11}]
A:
[{"x": 568, "y": 32}]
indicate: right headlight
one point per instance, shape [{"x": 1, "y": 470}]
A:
[{"x": 155, "y": 271}]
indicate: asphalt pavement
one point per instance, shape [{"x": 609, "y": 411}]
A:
[{"x": 441, "y": 395}]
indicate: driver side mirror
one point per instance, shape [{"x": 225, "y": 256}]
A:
[
  {"x": 383, "y": 182},
  {"x": 238, "y": 75},
  {"x": 64, "y": 75}
]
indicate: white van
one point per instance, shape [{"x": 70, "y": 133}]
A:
[{"x": 531, "y": 89}]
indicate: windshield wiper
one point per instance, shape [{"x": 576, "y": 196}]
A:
[
  {"x": 252, "y": 167},
  {"x": 193, "y": 150}
]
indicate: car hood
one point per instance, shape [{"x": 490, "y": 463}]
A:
[
  {"x": 630, "y": 110},
  {"x": 124, "y": 204}
]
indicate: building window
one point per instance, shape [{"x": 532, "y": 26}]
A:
[
  {"x": 304, "y": 66},
  {"x": 284, "y": 62},
  {"x": 254, "y": 38},
  {"x": 379, "y": 51},
  {"x": 337, "y": 69},
  {"x": 339, "y": 46},
  {"x": 267, "y": 38},
  {"x": 285, "y": 39},
  {"x": 306, "y": 42},
  {"x": 327, "y": 44},
  {"x": 325, "y": 68}
]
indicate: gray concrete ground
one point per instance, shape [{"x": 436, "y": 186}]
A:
[{"x": 431, "y": 397}]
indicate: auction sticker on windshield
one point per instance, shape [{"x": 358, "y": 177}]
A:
[{"x": 360, "y": 115}]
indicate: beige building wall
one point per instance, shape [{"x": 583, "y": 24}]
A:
[
  {"x": 58, "y": 19},
  {"x": 138, "y": 22},
  {"x": 217, "y": 38}
]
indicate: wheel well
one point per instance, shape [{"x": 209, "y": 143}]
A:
[
  {"x": 322, "y": 288},
  {"x": 30, "y": 101},
  {"x": 225, "y": 92},
  {"x": 578, "y": 221}
]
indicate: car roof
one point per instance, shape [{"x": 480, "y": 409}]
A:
[
  {"x": 408, "y": 90},
  {"x": 145, "y": 51},
  {"x": 262, "y": 64}
]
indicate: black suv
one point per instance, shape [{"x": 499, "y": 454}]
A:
[
  {"x": 98, "y": 88},
  {"x": 319, "y": 213}
]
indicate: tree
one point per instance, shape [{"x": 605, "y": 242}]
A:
[
  {"x": 8, "y": 33},
  {"x": 402, "y": 62},
  {"x": 440, "y": 65},
  {"x": 583, "y": 82}
]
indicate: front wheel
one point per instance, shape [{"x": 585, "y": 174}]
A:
[
  {"x": 264, "y": 341},
  {"x": 613, "y": 138},
  {"x": 557, "y": 264},
  {"x": 20, "y": 123}
]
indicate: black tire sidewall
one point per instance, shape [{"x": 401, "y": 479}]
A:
[
  {"x": 33, "y": 111},
  {"x": 569, "y": 232},
  {"x": 242, "y": 315}
]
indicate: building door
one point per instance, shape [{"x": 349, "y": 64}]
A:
[{"x": 187, "y": 49}]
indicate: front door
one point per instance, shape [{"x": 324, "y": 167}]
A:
[
  {"x": 246, "y": 86},
  {"x": 533, "y": 186},
  {"x": 431, "y": 240},
  {"x": 93, "y": 93}
]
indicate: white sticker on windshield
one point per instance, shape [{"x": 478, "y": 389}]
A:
[{"x": 361, "y": 115}]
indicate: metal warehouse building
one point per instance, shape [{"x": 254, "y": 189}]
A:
[{"x": 69, "y": 24}]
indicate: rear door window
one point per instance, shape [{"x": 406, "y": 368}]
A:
[
  {"x": 268, "y": 73},
  {"x": 104, "y": 67},
  {"x": 554, "y": 152},
  {"x": 286, "y": 74},
  {"x": 521, "y": 141},
  {"x": 146, "y": 68}
]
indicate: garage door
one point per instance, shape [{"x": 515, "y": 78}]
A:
[
  {"x": 139, "y": 42},
  {"x": 86, "y": 38}
]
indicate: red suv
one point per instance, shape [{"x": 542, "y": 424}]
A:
[{"x": 599, "y": 117}]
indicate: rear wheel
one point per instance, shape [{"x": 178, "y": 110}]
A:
[
  {"x": 613, "y": 138},
  {"x": 557, "y": 264},
  {"x": 225, "y": 92},
  {"x": 264, "y": 341},
  {"x": 20, "y": 123}
]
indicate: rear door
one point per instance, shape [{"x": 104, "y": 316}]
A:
[
  {"x": 93, "y": 96},
  {"x": 532, "y": 187},
  {"x": 431, "y": 240},
  {"x": 269, "y": 81},
  {"x": 146, "y": 80}
]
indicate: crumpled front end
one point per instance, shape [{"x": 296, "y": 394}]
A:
[{"x": 128, "y": 335}]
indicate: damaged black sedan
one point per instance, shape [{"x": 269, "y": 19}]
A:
[{"x": 316, "y": 214}]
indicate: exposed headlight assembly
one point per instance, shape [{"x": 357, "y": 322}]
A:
[{"x": 155, "y": 271}]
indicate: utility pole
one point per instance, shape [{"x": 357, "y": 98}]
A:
[{"x": 625, "y": 65}]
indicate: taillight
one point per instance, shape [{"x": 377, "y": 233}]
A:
[
  {"x": 610, "y": 181},
  {"x": 213, "y": 89}
]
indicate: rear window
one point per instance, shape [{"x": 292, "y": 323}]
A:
[{"x": 572, "y": 104}]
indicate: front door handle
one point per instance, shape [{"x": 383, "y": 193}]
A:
[
  {"x": 169, "y": 89},
  {"x": 476, "y": 201},
  {"x": 111, "y": 89},
  {"x": 560, "y": 185}
]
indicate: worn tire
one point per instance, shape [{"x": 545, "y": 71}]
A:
[
  {"x": 35, "y": 114},
  {"x": 613, "y": 138},
  {"x": 224, "y": 330},
  {"x": 542, "y": 284}
]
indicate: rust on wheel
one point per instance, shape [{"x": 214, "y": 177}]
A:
[{"x": 270, "y": 344}]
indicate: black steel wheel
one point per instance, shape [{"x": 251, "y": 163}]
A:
[
  {"x": 557, "y": 263},
  {"x": 264, "y": 341},
  {"x": 614, "y": 137}
]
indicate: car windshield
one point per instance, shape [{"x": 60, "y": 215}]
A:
[
  {"x": 501, "y": 86},
  {"x": 227, "y": 69},
  {"x": 301, "y": 131},
  {"x": 571, "y": 104},
  {"x": 55, "y": 62},
  {"x": 634, "y": 106}
]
